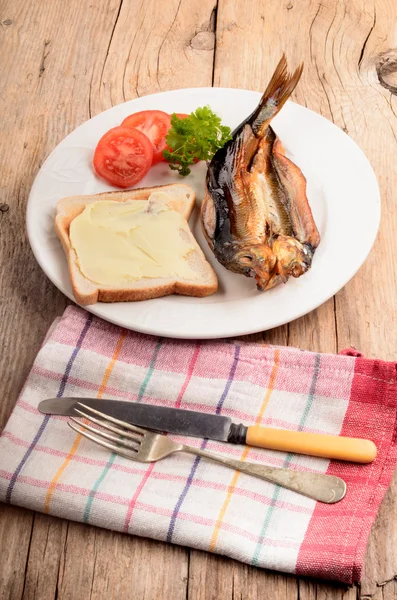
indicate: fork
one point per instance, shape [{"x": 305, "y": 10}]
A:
[{"x": 146, "y": 446}]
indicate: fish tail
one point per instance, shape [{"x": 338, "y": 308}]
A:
[{"x": 280, "y": 87}]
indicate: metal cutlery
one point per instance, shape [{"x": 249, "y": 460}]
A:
[
  {"x": 138, "y": 444},
  {"x": 219, "y": 427}
]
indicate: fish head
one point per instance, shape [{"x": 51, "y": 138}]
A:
[
  {"x": 293, "y": 258},
  {"x": 256, "y": 260}
]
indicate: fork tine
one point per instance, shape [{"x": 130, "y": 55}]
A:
[
  {"x": 111, "y": 419},
  {"x": 136, "y": 437},
  {"x": 132, "y": 455},
  {"x": 109, "y": 437}
]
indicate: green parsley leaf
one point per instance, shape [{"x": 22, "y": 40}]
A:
[{"x": 196, "y": 137}]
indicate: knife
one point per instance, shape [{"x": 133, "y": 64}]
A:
[{"x": 216, "y": 427}]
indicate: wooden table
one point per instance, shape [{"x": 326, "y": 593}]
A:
[{"x": 64, "y": 62}]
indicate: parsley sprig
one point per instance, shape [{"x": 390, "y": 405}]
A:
[{"x": 194, "y": 138}]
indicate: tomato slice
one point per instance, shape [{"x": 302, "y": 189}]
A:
[
  {"x": 123, "y": 156},
  {"x": 155, "y": 125}
]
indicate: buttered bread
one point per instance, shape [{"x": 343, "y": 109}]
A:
[{"x": 135, "y": 245}]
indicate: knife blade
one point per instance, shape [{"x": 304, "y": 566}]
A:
[{"x": 191, "y": 423}]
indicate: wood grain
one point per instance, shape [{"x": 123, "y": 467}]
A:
[
  {"x": 15, "y": 531},
  {"x": 48, "y": 539},
  {"x": 112, "y": 565},
  {"x": 340, "y": 43},
  {"x": 74, "y": 61},
  {"x": 65, "y": 62}
]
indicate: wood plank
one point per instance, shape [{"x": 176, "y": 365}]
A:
[
  {"x": 319, "y": 590},
  {"x": 57, "y": 84},
  {"x": 15, "y": 532},
  {"x": 339, "y": 43},
  {"x": 35, "y": 104},
  {"x": 389, "y": 590},
  {"x": 208, "y": 580},
  {"x": 206, "y": 577},
  {"x": 315, "y": 331},
  {"x": 249, "y": 45},
  {"x": 218, "y": 578},
  {"x": 171, "y": 46},
  {"x": 381, "y": 560},
  {"x": 54, "y": 82},
  {"x": 110, "y": 565},
  {"x": 46, "y": 547},
  {"x": 365, "y": 308},
  {"x": 249, "y": 582},
  {"x": 134, "y": 67}
]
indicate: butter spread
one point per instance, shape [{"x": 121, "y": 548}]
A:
[{"x": 117, "y": 243}]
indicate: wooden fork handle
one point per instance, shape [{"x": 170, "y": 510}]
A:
[{"x": 324, "y": 488}]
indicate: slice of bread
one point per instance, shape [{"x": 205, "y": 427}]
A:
[{"x": 180, "y": 198}]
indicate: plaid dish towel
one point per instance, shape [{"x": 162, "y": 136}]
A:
[{"x": 185, "y": 500}]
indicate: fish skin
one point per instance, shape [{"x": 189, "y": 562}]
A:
[
  {"x": 255, "y": 214},
  {"x": 304, "y": 228}
]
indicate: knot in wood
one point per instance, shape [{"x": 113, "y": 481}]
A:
[
  {"x": 386, "y": 69},
  {"x": 4, "y": 208},
  {"x": 203, "y": 40}
]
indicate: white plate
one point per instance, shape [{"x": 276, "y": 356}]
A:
[{"x": 342, "y": 192}]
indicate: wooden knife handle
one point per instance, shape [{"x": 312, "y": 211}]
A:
[{"x": 313, "y": 444}]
